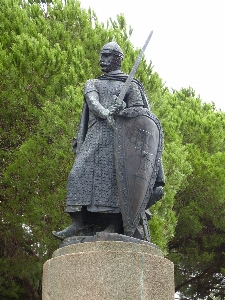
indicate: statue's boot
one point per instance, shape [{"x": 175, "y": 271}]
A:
[
  {"x": 115, "y": 224},
  {"x": 72, "y": 230}
]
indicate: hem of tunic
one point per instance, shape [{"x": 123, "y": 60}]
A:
[{"x": 100, "y": 209}]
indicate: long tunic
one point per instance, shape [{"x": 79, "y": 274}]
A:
[{"x": 92, "y": 180}]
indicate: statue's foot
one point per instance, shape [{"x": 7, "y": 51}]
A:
[
  {"x": 109, "y": 229},
  {"x": 68, "y": 232},
  {"x": 114, "y": 225},
  {"x": 71, "y": 231},
  {"x": 112, "y": 228}
]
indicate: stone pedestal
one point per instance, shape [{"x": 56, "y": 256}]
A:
[{"x": 113, "y": 270}]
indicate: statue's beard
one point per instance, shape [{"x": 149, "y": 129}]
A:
[{"x": 108, "y": 67}]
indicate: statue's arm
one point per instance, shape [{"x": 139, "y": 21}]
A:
[
  {"x": 92, "y": 100},
  {"x": 133, "y": 96}
]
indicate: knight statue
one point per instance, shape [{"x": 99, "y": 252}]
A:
[{"x": 117, "y": 174}]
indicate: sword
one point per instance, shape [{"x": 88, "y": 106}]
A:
[
  {"x": 119, "y": 103},
  {"x": 125, "y": 88}
]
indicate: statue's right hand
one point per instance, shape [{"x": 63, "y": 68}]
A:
[{"x": 116, "y": 108}]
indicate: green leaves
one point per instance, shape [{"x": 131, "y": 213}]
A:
[
  {"x": 197, "y": 245},
  {"x": 46, "y": 55}
]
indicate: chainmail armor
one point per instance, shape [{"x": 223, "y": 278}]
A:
[{"x": 92, "y": 180}]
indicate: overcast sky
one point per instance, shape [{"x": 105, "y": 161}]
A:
[{"x": 187, "y": 47}]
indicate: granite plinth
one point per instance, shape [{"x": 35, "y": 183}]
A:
[{"x": 112, "y": 270}]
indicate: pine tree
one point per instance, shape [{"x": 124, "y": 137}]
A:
[
  {"x": 46, "y": 57},
  {"x": 197, "y": 247},
  {"x": 48, "y": 49}
]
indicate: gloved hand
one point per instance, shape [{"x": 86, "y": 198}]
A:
[{"x": 117, "y": 106}]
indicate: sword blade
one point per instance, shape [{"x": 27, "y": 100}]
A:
[{"x": 134, "y": 69}]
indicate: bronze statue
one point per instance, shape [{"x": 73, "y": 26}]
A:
[{"x": 117, "y": 174}]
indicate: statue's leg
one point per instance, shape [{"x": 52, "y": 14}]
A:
[
  {"x": 74, "y": 228},
  {"x": 115, "y": 224}
]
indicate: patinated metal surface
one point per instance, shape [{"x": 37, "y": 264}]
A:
[
  {"x": 138, "y": 139},
  {"x": 92, "y": 180},
  {"x": 117, "y": 173}
]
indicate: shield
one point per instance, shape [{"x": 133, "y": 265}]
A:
[{"x": 138, "y": 146}]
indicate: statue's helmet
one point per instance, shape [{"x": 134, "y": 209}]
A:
[{"x": 113, "y": 48}]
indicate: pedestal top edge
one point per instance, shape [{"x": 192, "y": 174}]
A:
[{"x": 117, "y": 246}]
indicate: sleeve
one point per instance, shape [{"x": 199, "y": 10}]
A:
[
  {"x": 133, "y": 96},
  {"x": 90, "y": 86},
  {"x": 92, "y": 100}
]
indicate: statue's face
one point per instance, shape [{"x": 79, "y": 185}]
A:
[{"x": 109, "y": 62}]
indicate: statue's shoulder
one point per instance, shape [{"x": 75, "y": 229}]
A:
[
  {"x": 90, "y": 85},
  {"x": 138, "y": 83}
]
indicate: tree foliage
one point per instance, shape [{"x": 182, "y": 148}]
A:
[
  {"x": 197, "y": 248},
  {"x": 47, "y": 52},
  {"x": 46, "y": 57}
]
